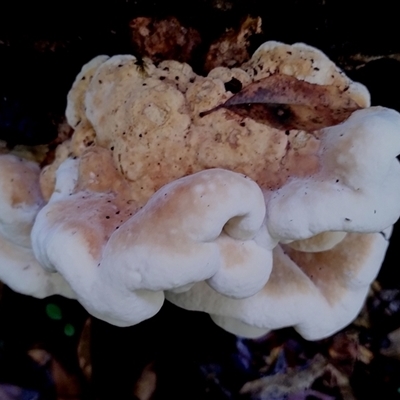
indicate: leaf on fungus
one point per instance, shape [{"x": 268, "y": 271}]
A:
[{"x": 285, "y": 103}]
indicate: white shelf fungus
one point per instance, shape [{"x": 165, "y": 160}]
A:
[{"x": 151, "y": 199}]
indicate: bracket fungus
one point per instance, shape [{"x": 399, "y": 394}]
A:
[{"x": 173, "y": 186}]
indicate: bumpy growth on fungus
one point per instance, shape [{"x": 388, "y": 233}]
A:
[{"x": 172, "y": 188}]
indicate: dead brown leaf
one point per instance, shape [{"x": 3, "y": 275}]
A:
[
  {"x": 67, "y": 384},
  {"x": 286, "y": 384},
  {"x": 231, "y": 49},
  {"x": 340, "y": 380},
  {"x": 285, "y": 103},
  {"x": 393, "y": 350},
  {"x": 163, "y": 39},
  {"x": 84, "y": 356},
  {"x": 345, "y": 350},
  {"x": 146, "y": 384}
]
